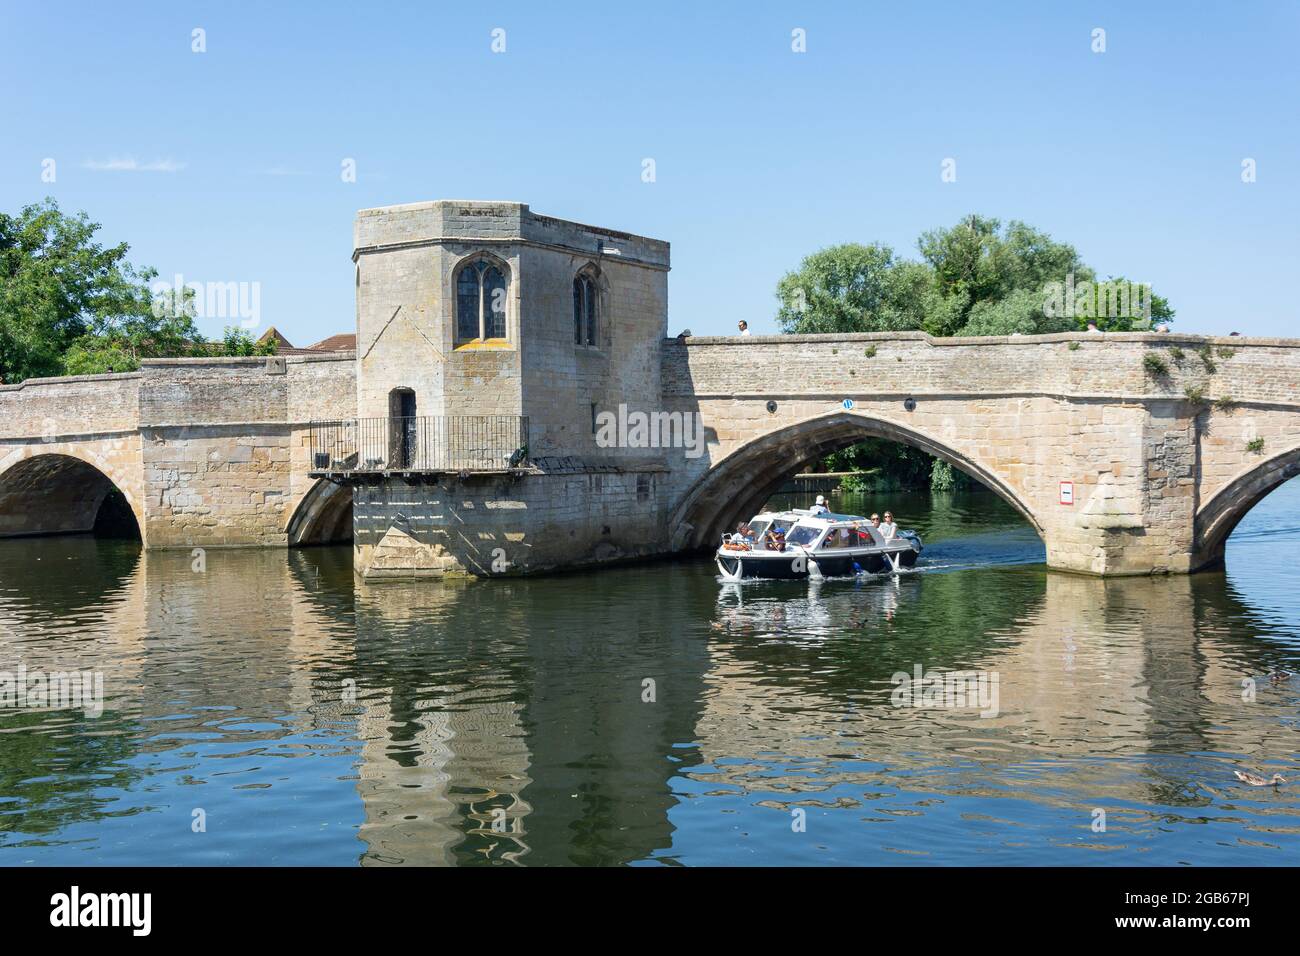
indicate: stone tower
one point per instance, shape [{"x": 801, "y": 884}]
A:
[{"x": 474, "y": 315}]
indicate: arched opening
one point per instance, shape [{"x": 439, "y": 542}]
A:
[
  {"x": 1217, "y": 518},
  {"x": 402, "y": 428},
  {"x": 324, "y": 516},
  {"x": 59, "y": 494},
  {"x": 736, "y": 487}
]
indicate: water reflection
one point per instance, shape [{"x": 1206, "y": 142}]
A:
[{"x": 651, "y": 714}]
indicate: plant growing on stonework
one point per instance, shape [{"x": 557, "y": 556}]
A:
[
  {"x": 1226, "y": 353},
  {"x": 1255, "y": 445},
  {"x": 1176, "y": 353},
  {"x": 870, "y": 351},
  {"x": 1194, "y": 394},
  {"x": 1207, "y": 357},
  {"x": 1073, "y": 346},
  {"x": 1224, "y": 403},
  {"x": 1155, "y": 365}
]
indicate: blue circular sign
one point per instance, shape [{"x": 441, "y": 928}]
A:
[{"x": 848, "y": 404}]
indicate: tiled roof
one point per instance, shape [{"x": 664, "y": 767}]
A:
[{"x": 343, "y": 342}]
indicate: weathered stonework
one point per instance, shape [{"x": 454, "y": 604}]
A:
[
  {"x": 1022, "y": 414},
  {"x": 207, "y": 452}
]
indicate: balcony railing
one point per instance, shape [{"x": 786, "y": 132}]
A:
[{"x": 430, "y": 443}]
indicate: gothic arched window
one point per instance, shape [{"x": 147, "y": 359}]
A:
[
  {"x": 481, "y": 289},
  {"x": 586, "y": 310}
]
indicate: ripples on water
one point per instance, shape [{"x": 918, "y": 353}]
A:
[{"x": 316, "y": 720}]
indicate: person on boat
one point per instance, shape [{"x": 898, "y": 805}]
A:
[
  {"x": 774, "y": 540},
  {"x": 819, "y": 507},
  {"x": 743, "y": 539},
  {"x": 887, "y": 527},
  {"x": 875, "y": 521}
]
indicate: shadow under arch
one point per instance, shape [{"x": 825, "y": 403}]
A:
[
  {"x": 737, "y": 486},
  {"x": 51, "y": 492},
  {"x": 1216, "y": 518},
  {"x": 323, "y": 516}
]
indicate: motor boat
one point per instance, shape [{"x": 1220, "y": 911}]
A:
[{"x": 800, "y": 544}]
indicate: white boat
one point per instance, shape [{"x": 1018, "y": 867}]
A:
[{"x": 817, "y": 545}]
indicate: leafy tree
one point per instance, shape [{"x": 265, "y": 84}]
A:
[
  {"x": 118, "y": 343},
  {"x": 70, "y": 306},
  {"x": 58, "y": 285},
  {"x": 853, "y": 288},
  {"x": 975, "y": 278},
  {"x": 238, "y": 341}
]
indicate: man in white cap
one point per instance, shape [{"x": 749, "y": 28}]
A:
[{"x": 820, "y": 507}]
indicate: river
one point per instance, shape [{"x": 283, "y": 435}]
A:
[{"x": 262, "y": 707}]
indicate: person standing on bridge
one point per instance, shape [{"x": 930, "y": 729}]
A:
[{"x": 743, "y": 326}]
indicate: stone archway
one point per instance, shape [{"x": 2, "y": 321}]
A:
[
  {"x": 53, "y": 489},
  {"x": 1217, "y": 517},
  {"x": 736, "y": 486},
  {"x": 323, "y": 516}
]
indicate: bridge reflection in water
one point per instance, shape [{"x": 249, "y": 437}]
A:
[{"x": 316, "y": 719}]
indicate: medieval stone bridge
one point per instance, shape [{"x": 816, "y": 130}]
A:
[
  {"x": 1165, "y": 441},
  {"x": 1127, "y": 453}
]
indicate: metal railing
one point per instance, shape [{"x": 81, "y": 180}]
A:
[{"x": 429, "y": 443}]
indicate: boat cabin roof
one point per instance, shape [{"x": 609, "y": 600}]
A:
[{"x": 803, "y": 516}]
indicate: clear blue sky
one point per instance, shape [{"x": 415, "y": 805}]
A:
[{"x": 763, "y": 155}]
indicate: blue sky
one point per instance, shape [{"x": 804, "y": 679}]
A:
[{"x": 762, "y": 155}]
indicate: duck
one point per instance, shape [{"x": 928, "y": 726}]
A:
[
  {"x": 1255, "y": 780},
  {"x": 1278, "y": 677}
]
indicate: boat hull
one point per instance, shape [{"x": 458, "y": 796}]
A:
[{"x": 788, "y": 565}]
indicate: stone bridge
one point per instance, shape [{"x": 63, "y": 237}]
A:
[
  {"x": 203, "y": 452},
  {"x": 1166, "y": 441}
]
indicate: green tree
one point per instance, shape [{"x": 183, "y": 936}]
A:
[
  {"x": 70, "y": 306},
  {"x": 57, "y": 285},
  {"x": 974, "y": 278},
  {"x": 118, "y": 343},
  {"x": 853, "y": 288},
  {"x": 238, "y": 341}
]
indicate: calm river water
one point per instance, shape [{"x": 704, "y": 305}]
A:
[{"x": 270, "y": 710}]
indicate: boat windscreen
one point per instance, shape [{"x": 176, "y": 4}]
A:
[{"x": 802, "y": 535}]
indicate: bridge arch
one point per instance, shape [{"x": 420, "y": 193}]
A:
[
  {"x": 60, "y": 488},
  {"x": 736, "y": 486},
  {"x": 323, "y": 515},
  {"x": 1217, "y": 517}
]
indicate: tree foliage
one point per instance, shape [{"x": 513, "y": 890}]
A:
[
  {"x": 975, "y": 278},
  {"x": 72, "y": 306}
]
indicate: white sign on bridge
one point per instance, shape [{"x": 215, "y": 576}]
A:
[{"x": 1067, "y": 492}]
